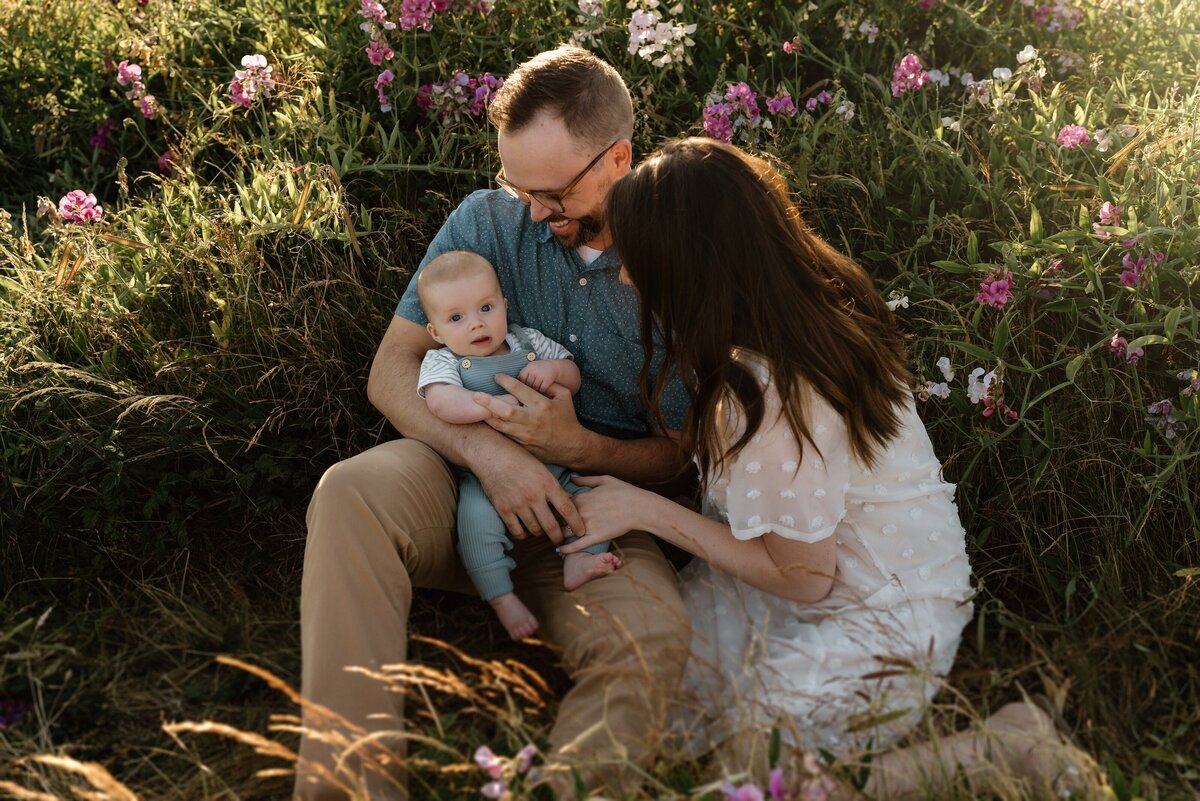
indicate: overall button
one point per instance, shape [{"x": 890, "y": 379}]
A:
[
  {"x": 531, "y": 356},
  {"x": 573, "y": 338},
  {"x": 466, "y": 363},
  {"x": 583, "y": 282}
]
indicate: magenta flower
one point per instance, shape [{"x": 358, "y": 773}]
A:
[
  {"x": 102, "y": 138},
  {"x": 781, "y": 105},
  {"x": 128, "y": 73},
  {"x": 1073, "y": 136},
  {"x": 996, "y": 290},
  {"x": 79, "y": 207},
  {"x": 460, "y": 97},
  {"x": 743, "y": 97},
  {"x": 792, "y": 45},
  {"x": 1162, "y": 416},
  {"x": 927, "y": 5},
  {"x": 718, "y": 122},
  {"x": 775, "y": 785},
  {"x": 381, "y": 83},
  {"x": 1110, "y": 214},
  {"x": 745, "y": 792},
  {"x": 1119, "y": 345},
  {"x": 166, "y": 164},
  {"x": 909, "y": 75},
  {"x": 252, "y": 81},
  {"x": 148, "y": 106},
  {"x": 378, "y": 51}
]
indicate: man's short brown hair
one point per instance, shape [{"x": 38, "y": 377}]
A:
[{"x": 574, "y": 86}]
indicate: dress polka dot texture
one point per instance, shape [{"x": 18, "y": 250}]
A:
[{"x": 901, "y": 583}]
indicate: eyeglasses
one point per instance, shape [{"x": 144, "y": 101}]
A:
[{"x": 551, "y": 200}]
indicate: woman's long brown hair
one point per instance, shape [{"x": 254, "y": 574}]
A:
[{"x": 722, "y": 259}]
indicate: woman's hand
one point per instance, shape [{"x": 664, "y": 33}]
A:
[{"x": 611, "y": 509}]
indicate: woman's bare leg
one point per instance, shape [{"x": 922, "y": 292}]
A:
[{"x": 1016, "y": 752}]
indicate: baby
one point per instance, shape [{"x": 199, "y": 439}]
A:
[{"x": 468, "y": 314}]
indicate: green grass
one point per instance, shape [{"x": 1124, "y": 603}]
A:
[{"x": 174, "y": 379}]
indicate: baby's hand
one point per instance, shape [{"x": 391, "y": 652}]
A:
[
  {"x": 509, "y": 399},
  {"x": 539, "y": 375}
]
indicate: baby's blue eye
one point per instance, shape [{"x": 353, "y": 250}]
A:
[
  {"x": 454, "y": 318},
  {"x": 487, "y": 307}
]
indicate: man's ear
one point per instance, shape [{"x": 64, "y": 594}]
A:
[
  {"x": 622, "y": 156},
  {"x": 433, "y": 333}
]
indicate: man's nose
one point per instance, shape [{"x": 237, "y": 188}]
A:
[{"x": 538, "y": 212}]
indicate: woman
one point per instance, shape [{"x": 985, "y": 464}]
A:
[{"x": 832, "y": 584}]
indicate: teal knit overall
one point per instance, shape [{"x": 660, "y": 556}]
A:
[{"x": 483, "y": 542}]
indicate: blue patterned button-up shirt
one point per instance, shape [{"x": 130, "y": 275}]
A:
[{"x": 550, "y": 288}]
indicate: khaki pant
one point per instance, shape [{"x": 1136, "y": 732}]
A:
[{"x": 382, "y": 523}]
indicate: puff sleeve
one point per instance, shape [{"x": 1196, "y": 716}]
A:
[{"x": 771, "y": 487}]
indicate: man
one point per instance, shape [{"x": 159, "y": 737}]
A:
[{"x": 382, "y": 522}]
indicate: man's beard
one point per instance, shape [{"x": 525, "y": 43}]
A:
[{"x": 588, "y": 228}]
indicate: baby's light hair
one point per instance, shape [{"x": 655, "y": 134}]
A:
[{"x": 451, "y": 266}]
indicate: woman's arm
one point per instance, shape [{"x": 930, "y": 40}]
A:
[{"x": 791, "y": 569}]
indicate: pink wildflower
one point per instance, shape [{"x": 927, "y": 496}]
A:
[
  {"x": 909, "y": 75},
  {"x": 1110, "y": 214},
  {"x": 792, "y": 45},
  {"x": 377, "y": 51},
  {"x": 746, "y": 792},
  {"x": 717, "y": 122},
  {"x": 252, "y": 81},
  {"x": 996, "y": 290},
  {"x": 1119, "y": 345},
  {"x": 128, "y": 73},
  {"x": 148, "y": 106},
  {"x": 381, "y": 83},
  {"x": 80, "y": 207},
  {"x": 782, "y": 105},
  {"x": 927, "y": 5},
  {"x": 166, "y": 164},
  {"x": 459, "y": 97},
  {"x": 1073, "y": 136}
]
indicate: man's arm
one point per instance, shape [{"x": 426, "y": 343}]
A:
[{"x": 524, "y": 493}]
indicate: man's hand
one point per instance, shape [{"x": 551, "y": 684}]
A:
[
  {"x": 526, "y": 495},
  {"x": 545, "y": 424}
]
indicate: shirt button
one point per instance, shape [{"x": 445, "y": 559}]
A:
[
  {"x": 573, "y": 338},
  {"x": 583, "y": 282}
]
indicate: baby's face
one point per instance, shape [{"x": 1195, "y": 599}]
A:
[{"x": 468, "y": 315}]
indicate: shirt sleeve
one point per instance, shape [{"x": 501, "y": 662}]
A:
[
  {"x": 772, "y": 487},
  {"x": 440, "y": 366},
  {"x": 544, "y": 346}
]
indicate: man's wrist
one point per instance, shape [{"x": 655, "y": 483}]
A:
[{"x": 579, "y": 454}]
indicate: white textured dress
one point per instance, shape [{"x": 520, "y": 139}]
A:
[{"x": 856, "y": 669}]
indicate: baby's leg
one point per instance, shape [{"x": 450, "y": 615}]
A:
[
  {"x": 483, "y": 544},
  {"x": 592, "y": 562}
]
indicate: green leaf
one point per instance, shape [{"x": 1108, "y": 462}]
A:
[
  {"x": 1035, "y": 225},
  {"x": 974, "y": 350},
  {"x": 1172, "y": 322},
  {"x": 1148, "y": 339},
  {"x": 952, "y": 267},
  {"x": 1188, "y": 572},
  {"x": 1074, "y": 365}
]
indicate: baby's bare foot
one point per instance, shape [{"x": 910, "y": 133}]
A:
[
  {"x": 516, "y": 617},
  {"x": 581, "y": 567}
]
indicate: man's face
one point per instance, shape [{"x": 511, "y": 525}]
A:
[
  {"x": 468, "y": 315},
  {"x": 544, "y": 157}
]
